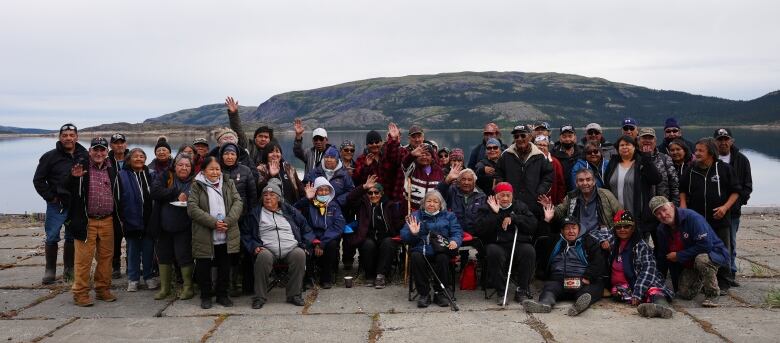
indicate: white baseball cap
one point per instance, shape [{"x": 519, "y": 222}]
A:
[{"x": 319, "y": 132}]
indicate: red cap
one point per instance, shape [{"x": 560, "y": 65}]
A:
[{"x": 503, "y": 187}]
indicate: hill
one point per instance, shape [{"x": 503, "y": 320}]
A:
[{"x": 12, "y": 129}]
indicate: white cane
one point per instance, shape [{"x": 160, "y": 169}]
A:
[{"x": 509, "y": 272}]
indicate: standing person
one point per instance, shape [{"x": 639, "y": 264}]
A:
[
  {"x": 135, "y": 215},
  {"x": 324, "y": 217},
  {"x": 558, "y": 189},
  {"x": 380, "y": 159},
  {"x": 432, "y": 219},
  {"x": 567, "y": 151},
  {"x": 542, "y": 129},
  {"x": 463, "y": 197},
  {"x": 224, "y": 135},
  {"x": 592, "y": 159},
  {"x": 479, "y": 152},
  {"x": 311, "y": 157},
  {"x": 94, "y": 207},
  {"x": 244, "y": 180},
  {"x": 524, "y": 166},
  {"x": 49, "y": 181},
  {"x": 673, "y": 131},
  {"x": 631, "y": 128},
  {"x": 631, "y": 176},
  {"x": 379, "y": 220},
  {"x": 740, "y": 164},
  {"x": 347, "y": 152},
  {"x": 670, "y": 181},
  {"x": 263, "y": 135},
  {"x": 689, "y": 250},
  {"x": 334, "y": 172},
  {"x": 215, "y": 207},
  {"x": 594, "y": 133},
  {"x": 681, "y": 156},
  {"x": 497, "y": 221},
  {"x": 710, "y": 188},
  {"x": 171, "y": 225},
  {"x": 162, "y": 157},
  {"x": 275, "y": 231},
  {"x": 201, "y": 151},
  {"x": 486, "y": 168},
  {"x": 421, "y": 174},
  {"x": 276, "y": 167},
  {"x": 444, "y": 158},
  {"x": 117, "y": 157}
]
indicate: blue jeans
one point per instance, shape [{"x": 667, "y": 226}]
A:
[
  {"x": 733, "y": 235},
  {"x": 56, "y": 215},
  {"x": 139, "y": 250}
]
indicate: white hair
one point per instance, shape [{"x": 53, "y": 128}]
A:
[
  {"x": 437, "y": 195},
  {"x": 467, "y": 171}
]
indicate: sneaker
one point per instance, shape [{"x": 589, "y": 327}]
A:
[
  {"x": 380, "y": 282},
  {"x": 257, "y": 304},
  {"x": 296, "y": 300},
  {"x": 205, "y": 303},
  {"x": 580, "y": 305},
  {"x": 423, "y": 301},
  {"x": 152, "y": 283},
  {"x": 710, "y": 302},
  {"x": 532, "y": 306},
  {"x": 440, "y": 299},
  {"x": 225, "y": 301},
  {"x": 132, "y": 286},
  {"x": 522, "y": 294}
]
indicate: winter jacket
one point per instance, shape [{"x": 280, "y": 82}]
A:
[
  {"x": 741, "y": 167},
  {"x": 243, "y": 156},
  {"x": 340, "y": 181},
  {"x": 488, "y": 227},
  {"x": 584, "y": 258},
  {"x": 639, "y": 267},
  {"x": 529, "y": 178},
  {"x": 53, "y": 171},
  {"x": 254, "y": 153},
  {"x": 393, "y": 213},
  {"x": 670, "y": 181},
  {"x": 645, "y": 177},
  {"x": 250, "y": 237},
  {"x": 444, "y": 223},
  {"x": 486, "y": 182},
  {"x": 567, "y": 162},
  {"x": 386, "y": 170},
  {"x": 167, "y": 217},
  {"x": 465, "y": 211},
  {"x": 78, "y": 187},
  {"x": 156, "y": 167},
  {"x": 292, "y": 187},
  {"x": 706, "y": 189},
  {"x": 558, "y": 188},
  {"x": 203, "y": 224},
  {"x": 698, "y": 238},
  {"x": 479, "y": 153},
  {"x": 136, "y": 201},
  {"x": 598, "y": 172},
  {"x": 311, "y": 157},
  {"x": 114, "y": 162},
  {"x": 606, "y": 204},
  {"x": 244, "y": 179},
  {"x": 416, "y": 180},
  {"x": 328, "y": 226}
]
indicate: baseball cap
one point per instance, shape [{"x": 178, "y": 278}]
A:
[
  {"x": 593, "y": 126},
  {"x": 543, "y": 125},
  {"x": 630, "y": 122},
  {"x": 657, "y": 201},
  {"x": 415, "y": 129},
  {"x": 647, "y": 131},
  {"x": 99, "y": 142},
  {"x": 570, "y": 220},
  {"x": 118, "y": 137},
  {"x": 319, "y": 132},
  {"x": 722, "y": 132},
  {"x": 521, "y": 129},
  {"x": 568, "y": 128}
]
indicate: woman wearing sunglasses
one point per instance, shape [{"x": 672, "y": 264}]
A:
[
  {"x": 486, "y": 167},
  {"x": 592, "y": 158}
]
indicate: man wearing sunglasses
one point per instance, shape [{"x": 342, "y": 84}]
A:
[
  {"x": 594, "y": 133},
  {"x": 630, "y": 128},
  {"x": 49, "y": 181},
  {"x": 673, "y": 131},
  {"x": 567, "y": 151},
  {"x": 524, "y": 166},
  {"x": 311, "y": 157},
  {"x": 478, "y": 153}
]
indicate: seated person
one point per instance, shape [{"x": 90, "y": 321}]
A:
[
  {"x": 501, "y": 223},
  {"x": 576, "y": 266},
  {"x": 332, "y": 169},
  {"x": 432, "y": 220},
  {"x": 274, "y": 231},
  {"x": 324, "y": 217},
  {"x": 379, "y": 220},
  {"x": 464, "y": 200},
  {"x": 689, "y": 249},
  {"x": 633, "y": 275}
]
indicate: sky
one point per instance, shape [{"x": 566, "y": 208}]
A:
[{"x": 93, "y": 62}]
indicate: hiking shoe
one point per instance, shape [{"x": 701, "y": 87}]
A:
[
  {"x": 710, "y": 302},
  {"x": 522, "y": 294},
  {"x": 205, "y": 303},
  {"x": 132, "y": 286},
  {"x": 116, "y": 274},
  {"x": 152, "y": 283},
  {"x": 296, "y": 300},
  {"x": 83, "y": 301},
  {"x": 423, "y": 301},
  {"x": 440, "y": 299},
  {"x": 105, "y": 296},
  {"x": 225, "y": 301},
  {"x": 532, "y": 306},
  {"x": 580, "y": 305},
  {"x": 380, "y": 282},
  {"x": 257, "y": 304}
]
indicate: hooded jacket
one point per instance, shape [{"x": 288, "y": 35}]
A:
[
  {"x": 328, "y": 226},
  {"x": 598, "y": 172},
  {"x": 250, "y": 237},
  {"x": 53, "y": 171},
  {"x": 203, "y": 224},
  {"x": 78, "y": 187},
  {"x": 698, "y": 238},
  {"x": 488, "y": 227},
  {"x": 393, "y": 213},
  {"x": 464, "y": 208},
  {"x": 529, "y": 178},
  {"x": 645, "y": 177},
  {"x": 706, "y": 189},
  {"x": 340, "y": 181},
  {"x": 136, "y": 200},
  {"x": 444, "y": 223},
  {"x": 244, "y": 179}
]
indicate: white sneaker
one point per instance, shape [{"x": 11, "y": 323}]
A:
[
  {"x": 132, "y": 286},
  {"x": 152, "y": 283}
]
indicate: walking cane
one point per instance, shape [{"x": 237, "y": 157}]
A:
[
  {"x": 453, "y": 305},
  {"x": 509, "y": 272},
  {"x": 408, "y": 213}
]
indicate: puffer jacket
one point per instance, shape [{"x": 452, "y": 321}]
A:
[
  {"x": 53, "y": 171},
  {"x": 529, "y": 178},
  {"x": 489, "y": 224},
  {"x": 245, "y": 182},
  {"x": 328, "y": 226},
  {"x": 584, "y": 257},
  {"x": 444, "y": 223},
  {"x": 464, "y": 209},
  {"x": 203, "y": 224}
]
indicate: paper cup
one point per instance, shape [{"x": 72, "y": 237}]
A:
[{"x": 348, "y": 281}]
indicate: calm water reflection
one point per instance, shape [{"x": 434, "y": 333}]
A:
[{"x": 20, "y": 157}]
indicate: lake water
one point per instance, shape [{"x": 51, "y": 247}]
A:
[{"x": 20, "y": 156}]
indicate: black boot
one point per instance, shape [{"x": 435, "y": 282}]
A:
[
  {"x": 658, "y": 308},
  {"x": 544, "y": 305},
  {"x": 67, "y": 257},
  {"x": 51, "y": 264}
]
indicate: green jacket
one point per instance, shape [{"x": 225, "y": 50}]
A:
[
  {"x": 608, "y": 206},
  {"x": 203, "y": 223}
]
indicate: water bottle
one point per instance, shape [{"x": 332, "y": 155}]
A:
[{"x": 221, "y": 236}]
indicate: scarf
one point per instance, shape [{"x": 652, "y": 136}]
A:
[
  {"x": 330, "y": 172},
  {"x": 216, "y": 204},
  {"x": 322, "y": 206}
]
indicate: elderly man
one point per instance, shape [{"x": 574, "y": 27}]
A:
[
  {"x": 630, "y": 127},
  {"x": 594, "y": 133},
  {"x": 49, "y": 181},
  {"x": 670, "y": 182},
  {"x": 740, "y": 164},
  {"x": 273, "y": 232},
  {"x": 94, "y": 209},
  {"x": 117, "y": 157},
  {"x": 524, "y": 166},
  {"x": 263, "y": 135},
  {"x": 567, "y": 151},
  {"x": 462, "y": 196},
  {"x": 479, "y": 152},
  {"x": 672, "y": 131},
  {"x": 311, "y": 157},
  {"x": 421, "y": 174},
  {"x": 690, "y": 250},
  {"x": 576, "y": 266}
]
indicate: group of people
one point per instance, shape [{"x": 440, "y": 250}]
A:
[{"x": 588, "y": 217}]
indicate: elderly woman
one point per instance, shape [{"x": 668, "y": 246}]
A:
[
  {"x": 486, "y": 168},
  {"x": 324, "y": 217},
  {"x": 275, "y": 231},
  {"x": 135, "y": 215},
  {"x": 630, "y": 176},
  {"x": 332, "y": 169},
  {"x": 215, "y": 208},
  {"x": 172, "y": 226},
  {"x": 558, "y": 189},
  {"x": 277, "y": 168},
  {"x": 592, "y": 159},
  {"x": 430, "y": 225},
  {"x": 422, "y": 173},
  {"x": 162, "y": 157},
  {"x": 633, "y": 275},
  {"x": 347, "y": 153},
  {"x": 497, "y": 223},
  {"x": 379, "y": 220}
]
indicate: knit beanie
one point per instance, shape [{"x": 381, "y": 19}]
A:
[
  {"x": 671, "y": 122},
  {"x": 503, "y": 187},
  {"x": 457, "y": 154},
  {"x": 162, "y": 141},
  {"x": 274, "y": 185},
  {"x": 622, "y": 218},
  {"x": 332, "y": 152}
]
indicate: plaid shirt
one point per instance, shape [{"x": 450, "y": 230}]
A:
[
  {"x": 100, "y": 201},
  {"x": 386, "y": 170},
  {"x": 647, "y": 276}
]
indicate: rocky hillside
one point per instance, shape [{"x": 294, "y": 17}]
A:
[{"x": 469, "y": 99}]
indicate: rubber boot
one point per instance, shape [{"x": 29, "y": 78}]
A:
[
  {"x": 165, "y": 282},
  {"x": 658, "y": 308},
  {"x": 51, "y": 264},
  {"x": 67, "y": 257},
  {"x": 187, "y": 292}
]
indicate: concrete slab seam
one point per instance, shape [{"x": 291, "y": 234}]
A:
[
  {"x": 540, "y": 328},
  {"x": 217, "y": 322},
  {"x": 705, "y": 325},
  {"x": 51, "y": 333},
  {"x": 375, "y": 332}
]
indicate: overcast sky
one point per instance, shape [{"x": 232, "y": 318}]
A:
[{"x": 95, "y": 62}]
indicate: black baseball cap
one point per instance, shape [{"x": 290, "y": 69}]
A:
[
  {"x": 568, "y": 128},
  {"x": 99, "y": 142},
  {"x": 118, "y": 137},
  {"x": 722, "y": 132},
  {"x": 521, "y": 129}
]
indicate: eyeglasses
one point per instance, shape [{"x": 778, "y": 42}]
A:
[
  {"x": 629, "y": 128},
  {"x": 444, "y": 156},
  {"x": 68, "y": 127},
  {"x": 623, "y": 227},
  {"x": 348, "y": 150},
  {"x": 374, "y": 192},
  {"x": 672, "y": 130},
  {"x": 492, "y": 147},
  {"x": 318, "y": 139},
  {"x": 593, "y": 132},
  {"x": 593, "y": 152},
  {"x": 520, "y": 135}
]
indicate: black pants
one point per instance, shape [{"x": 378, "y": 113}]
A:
[
  {"x": 328, "y": 263},
  {"x": 377, "y": 259},
  {"x": 420, "y": 271},
  {"x": 175, "y": 245},
  {"x": 348, "y": 254},
  {"x": 555, "y": 288},
  {"x": 203, "y": 266},
  {"x": 116, "y": 261},
  {"x": 498, "y": 256}
]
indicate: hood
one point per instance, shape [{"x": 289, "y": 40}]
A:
[
  {"x": 338, "y": 166},
  {"x": 534, "y": 151},
  {"x": 202, "y": 179},
  {"x": 321, "y": 181}
]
